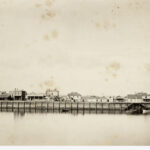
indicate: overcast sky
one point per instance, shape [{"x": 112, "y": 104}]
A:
[{"x": 91, "y": 46}]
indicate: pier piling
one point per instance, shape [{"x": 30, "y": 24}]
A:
[
  {"x": 53, "y": 106},
  {"x": 59, "y": 107},
  {"x": 68, "y": 106},
  {"x": 24, "y": 105},
  {"x": 47, "y": 106},
  {"x": 71, "y": 107},
  {"x": 96, "y": 107},
  {"x": 18, "y": 105}
]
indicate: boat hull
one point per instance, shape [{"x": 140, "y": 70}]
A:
[
  {"x": 134, "y": 111},
  {"x": 146, "y": 111}
]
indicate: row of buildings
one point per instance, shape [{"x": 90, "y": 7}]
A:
[
  {"x": 53, "y": 95},
  {"x": 23, "y": 95}
]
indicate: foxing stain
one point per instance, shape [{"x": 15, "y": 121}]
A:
[
  {"x": 113, "y": 68},
  {"x": 147, "y": 67},
  {"x": 106, "y": 25},
  {"x": 118, "y": 7},
  {"x": 114, "y": 75},
  {"x": 46, "y": 37},
  {"x": 97, "y": 24},
  {"x": 48, "y": 2},
  {"x": 49, "y": 83},
  {"x": 43, "y": 16},
  {"x": 38, "y": 5},
  {"x": 49, "y": 13},
  {"x": 135, "y": 5},
  {"x": 54, "y": 34}
]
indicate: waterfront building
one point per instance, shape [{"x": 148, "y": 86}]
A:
[
  {"x": 52, "y": 93},
  {"x": 5, "y": 96},
  {"x": 91, "y": 99},
  {"x": 75, "y": 97},
  {"x": 110, "y": 99},
  {"x": 35, "y": 96},
  {"x": 104, "y": 99},
  {"x": 137, "y": 97},
  {"x": 120, "y": 99},
  {"x": 18, "y": 94},
  {"x": 64, "y": 98},
  {"x": 146, "y": 98}
]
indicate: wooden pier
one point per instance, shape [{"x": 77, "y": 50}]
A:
[{"x": 67, "y": 106}]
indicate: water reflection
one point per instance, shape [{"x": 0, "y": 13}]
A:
[
  {"x": 19, "y": 113},
  {"x": 53, "y": 127}
]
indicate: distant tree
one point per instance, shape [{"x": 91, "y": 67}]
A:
[{"x": 56, "y": 98}]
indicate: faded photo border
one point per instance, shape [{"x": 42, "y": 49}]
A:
[
  {"x": 74, "y": 147},
  {"x": 82, "y": 47}
]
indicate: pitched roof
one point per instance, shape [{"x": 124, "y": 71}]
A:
[
  {"x": 74, "y": 94},
  {"x": 4, "y": 95},
  {"x": 35, "y": 94}
]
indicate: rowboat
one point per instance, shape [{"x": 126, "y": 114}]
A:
[
  {"x": 65, "y": 110},
  {"x": 134, "y": 111},
  {"x": 146, "y": 111}
]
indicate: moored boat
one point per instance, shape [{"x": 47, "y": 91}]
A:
[
  {"x": 65, "y": 110},
  {"x": 133, "y": 111},
  {"x": 146, "y": 111}
]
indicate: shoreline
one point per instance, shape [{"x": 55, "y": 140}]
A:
[{"x": 67, "y": 106}]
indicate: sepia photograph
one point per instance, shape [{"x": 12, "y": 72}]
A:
[{"x": 74, "y": 73}]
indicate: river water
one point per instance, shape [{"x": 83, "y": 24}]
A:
[{"x": 21, "y": 128}]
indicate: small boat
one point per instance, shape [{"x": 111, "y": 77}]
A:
[
  {"x": 146, "y": 111},
  {"x": 134, "y": 111},
  {"x": 65, "y": 110}
]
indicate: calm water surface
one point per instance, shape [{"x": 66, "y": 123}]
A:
[{"x": 73, "y": 129}]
